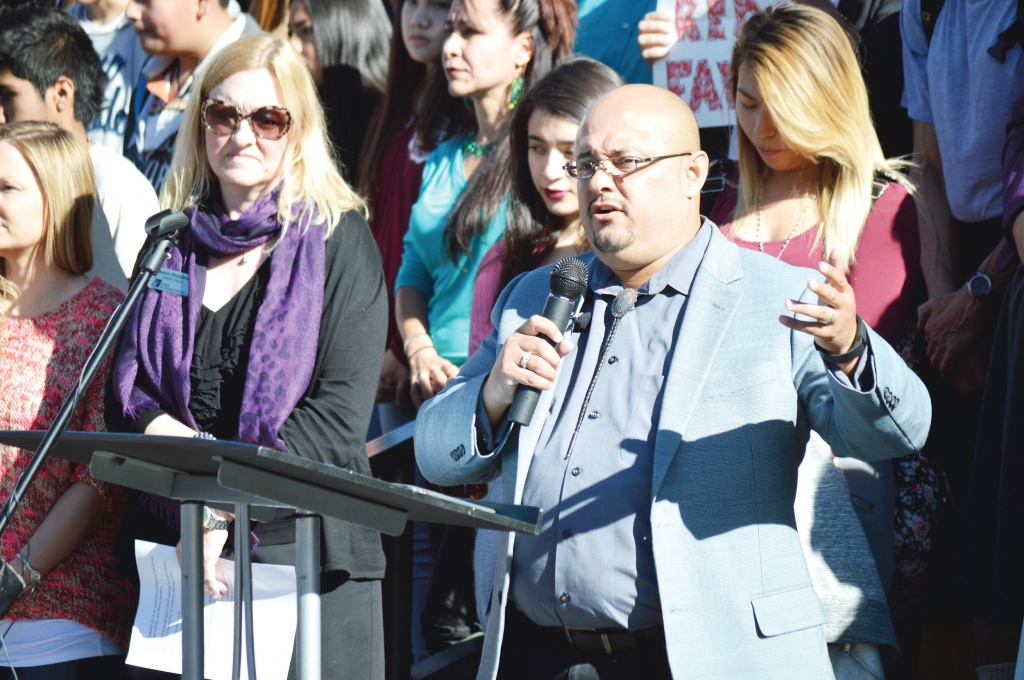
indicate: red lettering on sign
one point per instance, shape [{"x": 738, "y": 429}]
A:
[
  {"x": 716, "y": 10},
  {"x": 686, "y": 27},
  {"x": 704, "y": 88},
  {"x": 723, "y": 68},
  {"x": 678, "y": 73},
  {"x": 744, "y": 8}
]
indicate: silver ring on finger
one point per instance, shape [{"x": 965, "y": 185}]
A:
[
  {"x": 830, "y": 319},
  {"x": 525, "y": 360}
]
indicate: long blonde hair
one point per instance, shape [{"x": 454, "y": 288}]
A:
[
  {"x": 62, "y": 166},
  {"x": 811, "y": 86},
  {"x": 311, "y": 177}
]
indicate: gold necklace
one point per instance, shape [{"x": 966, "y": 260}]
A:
[{"x": 757, "y": 234}]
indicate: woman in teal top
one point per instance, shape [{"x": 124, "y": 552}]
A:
[
  {"x": 494, "y": 51},
  {"x": 427, "y": 266}
]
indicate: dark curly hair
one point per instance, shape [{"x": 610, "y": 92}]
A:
[
  {"x": 553, "y": 25},
  {"x": 40, "y": 45}
]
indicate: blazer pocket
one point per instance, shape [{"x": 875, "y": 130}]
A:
[
  {"x": 745, "y": 379},
  {"x": 788, "y": 611}
]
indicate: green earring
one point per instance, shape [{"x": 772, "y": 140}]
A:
[
  {"x": 516, "y": 91},
  {"x": 468, "y": 103}
]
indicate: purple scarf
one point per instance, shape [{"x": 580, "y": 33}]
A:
[{"x": 152, "y": 368}]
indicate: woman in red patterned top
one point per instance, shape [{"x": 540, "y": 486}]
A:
[{"x": 75, "y": 616}]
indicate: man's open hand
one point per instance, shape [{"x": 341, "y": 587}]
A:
[{"x": 835, "y": 325}]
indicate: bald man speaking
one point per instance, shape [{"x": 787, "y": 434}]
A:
[{"x": 669, "y": 546}]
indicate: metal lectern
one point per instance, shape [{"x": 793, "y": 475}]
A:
[{"x": 200, "y": 471}]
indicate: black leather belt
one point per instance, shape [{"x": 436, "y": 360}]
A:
[{"x": 612, "y": 641}]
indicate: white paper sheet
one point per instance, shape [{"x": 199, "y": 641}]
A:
[
  {"x": 156, "y": 635},
  {"x": 697, "y": 68}
]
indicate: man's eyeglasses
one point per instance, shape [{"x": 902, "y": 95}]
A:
[
  {"x": 267, "y": 122},
  {"x": 615, "y": 167}
]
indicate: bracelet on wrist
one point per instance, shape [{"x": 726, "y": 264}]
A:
[
  {"x": 405, "y": 345},
  {"x": 32, "y": 576},
  {"x": 410, "y": 356},
  {"x": 429, "y": 343}
]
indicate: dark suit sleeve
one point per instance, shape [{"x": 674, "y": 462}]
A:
[{"x": 329, "y": 423}]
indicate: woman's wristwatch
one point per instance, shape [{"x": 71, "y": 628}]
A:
[
  {"x": 212, "y": 522},
  {"x": 31, "y": 575}
]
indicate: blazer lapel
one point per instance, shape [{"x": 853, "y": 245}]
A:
[{"x": 709, "y": 311}]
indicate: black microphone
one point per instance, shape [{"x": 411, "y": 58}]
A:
[{"x": 568, "y": 282}]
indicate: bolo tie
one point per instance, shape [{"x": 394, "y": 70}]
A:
[{"x": 624, "y": 303}]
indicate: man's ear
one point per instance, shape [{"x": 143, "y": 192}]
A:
[
  {"x": 60, "y": 99},
  {"x": 203, "y": 7},
  {"x": 523, "y": 49},
  {"x": 696, "y": 174}
]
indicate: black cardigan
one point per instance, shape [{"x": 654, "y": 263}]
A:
[{"x": 330, "y": 421}]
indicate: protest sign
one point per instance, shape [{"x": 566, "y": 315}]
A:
[{"x": 697, "y": 67}]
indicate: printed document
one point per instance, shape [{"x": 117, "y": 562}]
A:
[{"x": 156, "y": 635}]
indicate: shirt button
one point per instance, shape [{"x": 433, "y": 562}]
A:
[
  {"x": 576, "y": 472},
  {"x": 612, "y": 360},
  {"x": 566, "y": 534},
  {"x": 625, "y": 27},
  {"x": 594, "y": 415},
  {"x": 564, "y": 598}
]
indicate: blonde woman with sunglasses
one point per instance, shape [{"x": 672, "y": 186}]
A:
[{"x": 275, "y": 337}]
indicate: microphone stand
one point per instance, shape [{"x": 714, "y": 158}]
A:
[{"x": 163, "y": 227}]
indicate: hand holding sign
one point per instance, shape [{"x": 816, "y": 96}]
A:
[
  {"x": 690, "y": 42},
  {"x": 657, "y": 36}
]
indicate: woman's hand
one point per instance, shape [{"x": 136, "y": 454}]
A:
[
  {"x": 213, "y": 546},
  {"x": 657, "y": 36},
  {"x": 835, "y": 328},
  {"x": 429, "y": 371},
  {"x": 394, "y": 376},
  {"x": 540, "y": 368}
]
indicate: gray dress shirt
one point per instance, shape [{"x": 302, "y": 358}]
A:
[{"x": 592, "y": 564}]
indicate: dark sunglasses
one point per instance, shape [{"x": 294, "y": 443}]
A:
[{"x": 267, "y": 122}]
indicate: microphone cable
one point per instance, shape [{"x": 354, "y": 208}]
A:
[{"x": 624, "y": 303}]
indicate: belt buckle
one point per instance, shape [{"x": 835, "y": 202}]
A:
[{"x": 605, "y": 642}]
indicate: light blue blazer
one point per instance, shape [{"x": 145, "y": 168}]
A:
[{"x": 742, "y": 394}]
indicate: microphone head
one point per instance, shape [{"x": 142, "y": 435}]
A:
[{"x": 569, "y": 278}]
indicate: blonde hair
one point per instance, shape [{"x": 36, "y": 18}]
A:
[
  {"x": 811, "y": 86},
  {"x": 62, "y": 166},
  {"x": 311, "y": 177}
]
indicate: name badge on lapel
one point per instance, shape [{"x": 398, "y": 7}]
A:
[{"x": 168, "y": 281}]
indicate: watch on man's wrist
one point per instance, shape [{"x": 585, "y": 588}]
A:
[
  {"x": 979, "y": 285},
  {"x": 212, "y": 522},
  {"x": 860, "y": 343}
]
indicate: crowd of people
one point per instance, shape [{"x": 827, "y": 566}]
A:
[{"x": 792, "y": 448}]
